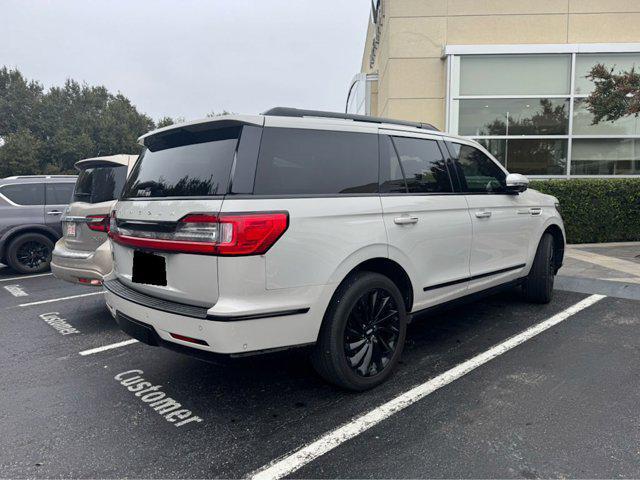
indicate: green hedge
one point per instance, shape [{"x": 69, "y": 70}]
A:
[{"x": 597, "y": 210}]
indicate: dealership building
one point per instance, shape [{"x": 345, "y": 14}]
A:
[{"x": 511, "y": 74}]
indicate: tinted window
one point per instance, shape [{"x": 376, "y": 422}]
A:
[
  {"x": 477, "y": 171},
  {"x": 423, "y": 165},
  {"x": 24, "y": 194},
  {"x": 100, "y": 184},
  {"x": 391, "y": 177},
  {"x": 59, "y": 193},
  {"x": 299, "y": 161},
  {"x": 184, "y": 164}
]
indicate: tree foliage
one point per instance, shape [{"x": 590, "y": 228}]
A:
[
  {"x": 615, "y": 95},
  {"x": 48, "y": 131}
]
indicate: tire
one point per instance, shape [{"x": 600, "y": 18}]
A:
[
  {"x": 378, "y": 331},
  {"x": 30, "y": 253},
  {"x": 538, "y": 285}
]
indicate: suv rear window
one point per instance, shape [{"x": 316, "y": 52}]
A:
[
  {"x": 305, "y": 162},
  {"x": 184, "y": 164},
  {"x": 100, "y": 184}
]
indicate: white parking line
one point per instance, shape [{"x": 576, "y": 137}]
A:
[
  {"x": 297, "y": 459},
  {"x": 59, "y": 299},
  {"x": 108, "y": 347},
  {"x": 11, "y": 279}
]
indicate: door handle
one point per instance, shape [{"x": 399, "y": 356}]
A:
[
  {"x": 535, "y": 211},
  {"x": 54, "y": 212},
  {"x": 405, "y": 220},
  {"x": 483, "y": 214}
]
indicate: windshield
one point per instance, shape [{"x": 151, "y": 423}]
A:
[
  {"x": 100, "y": 184},
  {"x": 184, "y": 164}
]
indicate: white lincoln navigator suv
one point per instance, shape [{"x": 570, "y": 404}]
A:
[{"x": 245, "y": 234}]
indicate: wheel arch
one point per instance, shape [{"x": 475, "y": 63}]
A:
[
  {"x": 558, "y": 244},
  {"x": 390, "y": 269}
]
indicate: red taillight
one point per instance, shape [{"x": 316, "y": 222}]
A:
[
  {"x": 250, "y": 234},
  {"x": 98, "y": 223},
  {"x": 226, "y": 234}
]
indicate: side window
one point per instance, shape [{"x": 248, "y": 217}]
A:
[
  {"x": 308, "y": 162},
  {"x": 423, "y": 165},
  {"x": 59, "y": 193},
  {"x": 24, "y": 193},
  {"x": 477, "y": 171},
  {"x": 391, "y": 177}
]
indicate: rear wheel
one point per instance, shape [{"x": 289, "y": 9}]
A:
[
  {"x": 538, "y": 286},
  {"x": 30, "y": 253},
  {"x": 363, "y": 333}
]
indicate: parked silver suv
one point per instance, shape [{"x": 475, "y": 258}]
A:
[
  {"x": 83, "y": 254},
  {"x": 30, "y": 210},
  {"x": 244, "y": 234}
]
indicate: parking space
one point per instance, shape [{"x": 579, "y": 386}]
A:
[{"x": 563, "y": 403}]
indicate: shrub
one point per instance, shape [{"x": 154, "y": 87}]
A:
[{"x": 597, "y": 210}]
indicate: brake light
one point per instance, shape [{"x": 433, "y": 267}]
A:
[
  {"x": 227, "y": 234},
  {"x": 98, "y": 223}
]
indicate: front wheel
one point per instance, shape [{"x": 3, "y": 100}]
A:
[
  {"x": 538, "y": 285},
  {"x": 363, "y": 333},
  {"x": 30, "y": 253}
]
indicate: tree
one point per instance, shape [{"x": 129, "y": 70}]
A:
[
  {"x": 20, "y": 154},
  {"x": 47, "y": 132},
  {"x": 615, "y": 95}
]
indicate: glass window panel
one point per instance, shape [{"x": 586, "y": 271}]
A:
[
  {"x": 515, "y": 74},
  {"x": 582, "y": 123},
  {"x": 620, "y": 62},
  {"x": 605, "y": 157},
  {"x": 298, "y": 161},
  {"x": 545, "y": 116},
  {"x": 530, "y": 156},
  {"x": 423, "y": 165},
  {"x": 477, "y": 172}
]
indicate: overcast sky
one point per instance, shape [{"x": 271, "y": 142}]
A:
[{"x": 189, "y": 57}]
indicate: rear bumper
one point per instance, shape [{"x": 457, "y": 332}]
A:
[
  {"x": 241, "y": 333},
  {"x": 71, "y": 265}
]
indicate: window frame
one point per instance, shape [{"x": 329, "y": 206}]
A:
[{"x": 454, "y": 52}]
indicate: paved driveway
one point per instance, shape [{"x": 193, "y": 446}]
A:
[{"x": 563, "y": 402}]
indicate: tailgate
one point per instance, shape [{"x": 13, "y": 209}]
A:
[
  {"x": 190, "y": 278},
  {"x": 84, "y": 239}
]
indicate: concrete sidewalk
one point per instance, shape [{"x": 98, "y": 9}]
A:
[{"x": 607, "y": 268}]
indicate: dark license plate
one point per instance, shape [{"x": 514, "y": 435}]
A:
[{"x": 149, "y": 268}]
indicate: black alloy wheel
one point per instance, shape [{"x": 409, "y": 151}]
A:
[
  {"x": 363, "y": 332},
  {"x": 32, "y": 254},
  {"x": 372, "y": 332}
]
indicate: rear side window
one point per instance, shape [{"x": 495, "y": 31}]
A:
[
  {"x": 59, "y": 193},
  {"x": 479, "y": 174},
  {"x": 24, "y": 193},
  {"x": 422, "y": 164},
  {"x": 184, "y": 163},
  {"x": 100, "y": 184},
  {"x": 308, "y": 162}
]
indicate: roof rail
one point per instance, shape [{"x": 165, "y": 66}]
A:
[
  {"x": 16, "y": 177},
  {"x": 296, "y": 112}
]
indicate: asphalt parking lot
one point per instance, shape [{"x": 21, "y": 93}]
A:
[{"x": 564, "y": 403}]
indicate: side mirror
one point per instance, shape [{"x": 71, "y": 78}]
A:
[{"x": 517, "y": 183}]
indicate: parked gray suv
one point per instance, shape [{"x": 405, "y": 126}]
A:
[{"x": 30, "y": 210}]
